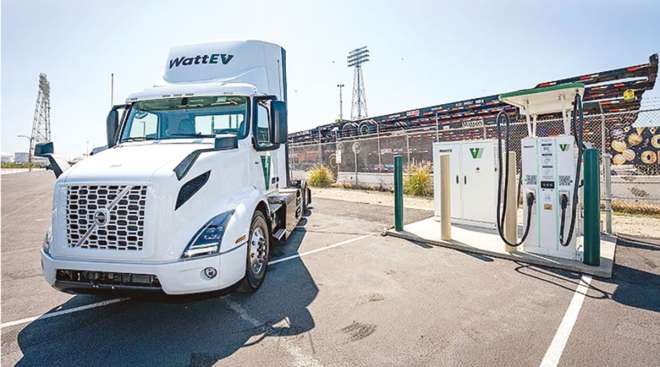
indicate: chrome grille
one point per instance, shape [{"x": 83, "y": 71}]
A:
[{"x": 107, "y": 217}]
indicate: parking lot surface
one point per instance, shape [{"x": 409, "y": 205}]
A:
[{"x": 337, "y": 294}]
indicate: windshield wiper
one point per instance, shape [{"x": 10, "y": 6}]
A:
[{"x": 135, "y": 138}]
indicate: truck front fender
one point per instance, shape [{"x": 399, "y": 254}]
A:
[{"x": 233, "y": 249}]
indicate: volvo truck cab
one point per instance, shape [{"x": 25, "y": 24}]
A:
[{"x": 193, "y": 186}]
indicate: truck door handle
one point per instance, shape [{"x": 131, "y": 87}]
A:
[
  {"x": 457, "y": 179},
  {"x": 465, "y": 180}
]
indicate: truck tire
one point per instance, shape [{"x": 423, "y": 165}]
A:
[{"x": 258, "y": 251}]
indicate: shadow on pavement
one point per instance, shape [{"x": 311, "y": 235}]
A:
[
  {"x": 637, "y": 274},
  {"x": 651, "y": 244},
  {"x": 559, "y": 278},
  {"x": 197, "y": 330},
  {"x": 636, "y": 288},
  {"x": 634, "y": 285}
]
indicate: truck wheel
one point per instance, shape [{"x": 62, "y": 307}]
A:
[{"x": 258, "y": 249}]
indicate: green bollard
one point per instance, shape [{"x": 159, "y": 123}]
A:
[
  {"x": 591, "y": 207},
  {"x": 398, "y": 193}
]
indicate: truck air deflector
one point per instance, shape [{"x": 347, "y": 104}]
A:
[
  {"x": 184, "y": 166},
  {"x": 190, "y": 188}
]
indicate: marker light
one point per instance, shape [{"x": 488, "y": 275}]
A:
[{"x": 207, "y": 240}]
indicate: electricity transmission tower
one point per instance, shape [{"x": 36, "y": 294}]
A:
[
  {"x": 41, "y": 122},
  {"x": 355, "y": 60}
]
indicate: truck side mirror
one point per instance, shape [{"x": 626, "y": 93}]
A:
[
  {"x": 278, "y": 116},
  {"x": 43, "y": 149},
  {"x": 57, "y": 164},
  {"x": 112, "y": 124}
]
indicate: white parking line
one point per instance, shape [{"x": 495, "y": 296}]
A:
[
  {"x": 111, "y": 301},
  {"x": 22, "y": 207},
  {"x": 554, "y": 352},
  {"x": 319, "y": 249},
  {"x": 299, "y": 357},
  {"x": 63, "y": 312},
  {"x": 10, "y": 171}
]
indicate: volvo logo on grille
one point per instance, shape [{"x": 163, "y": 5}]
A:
[{"x": 101, "y": 217}]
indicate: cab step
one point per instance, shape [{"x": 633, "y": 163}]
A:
[{"x": 279, "y": 235}]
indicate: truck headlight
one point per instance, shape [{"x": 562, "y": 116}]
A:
[
  {"x": 207, "y": 240},
  {"x": 48, "y": 238}
]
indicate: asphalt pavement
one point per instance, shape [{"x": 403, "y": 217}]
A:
[{"x": 337, "y": 294}]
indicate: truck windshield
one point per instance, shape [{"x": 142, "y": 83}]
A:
[{"x": 187, "y": 117}]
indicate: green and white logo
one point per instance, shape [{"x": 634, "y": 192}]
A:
[
  {"x": 563, "y": 147},
  {"x": 476, "y": 153},
  {"x": 265, "y": 167}
]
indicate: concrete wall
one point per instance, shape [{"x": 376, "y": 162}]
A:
[
  {"x": 367, "y": 179},
  {"x": 385, "y": 180},
  {"x": 636, "y": 188}
]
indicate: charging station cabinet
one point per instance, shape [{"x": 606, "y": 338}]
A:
[
  {"x": 551, "y": 170},
  {"x": 473, "y": 169},
  {"x": 548, "y": 169}
]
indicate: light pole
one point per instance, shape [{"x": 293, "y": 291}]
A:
[
  {"x": 355, "y": 59},
  {"x": 29, "y": 138},
  {"x": 341, "y": 107}
]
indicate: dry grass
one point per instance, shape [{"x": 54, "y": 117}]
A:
[
  {"x": 321, "y": 176},
  {"x": 626, "y": 207},
  {"x": 418, "y": 181}
]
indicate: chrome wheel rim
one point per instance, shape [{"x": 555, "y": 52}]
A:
[{"x": 258, "y": 250}]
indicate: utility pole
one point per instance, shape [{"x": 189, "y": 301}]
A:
[{"x": 341, "y": 106}]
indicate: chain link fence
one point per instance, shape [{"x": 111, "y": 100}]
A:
[{"x": 629, "y": 141}]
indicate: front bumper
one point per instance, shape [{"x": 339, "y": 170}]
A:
[{"x": 178, "y": 277}]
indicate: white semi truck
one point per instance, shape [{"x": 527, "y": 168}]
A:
[{"x": 193, "y": 186}]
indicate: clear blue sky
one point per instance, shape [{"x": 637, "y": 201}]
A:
[{"x": 423, "y": 52}]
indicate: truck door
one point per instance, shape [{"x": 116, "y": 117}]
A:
[{"x": 263, "y": 173}]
